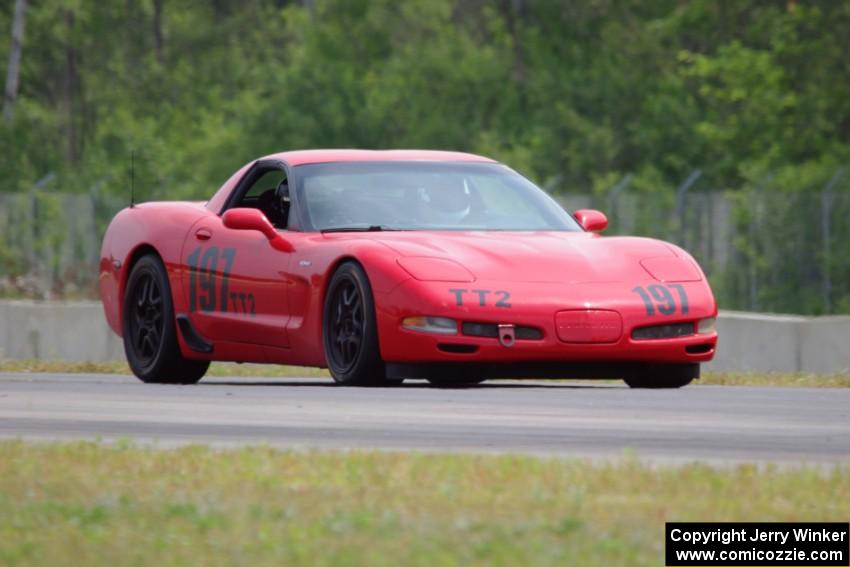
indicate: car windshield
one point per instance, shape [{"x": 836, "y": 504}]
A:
[{"x": 356, "y": 196}]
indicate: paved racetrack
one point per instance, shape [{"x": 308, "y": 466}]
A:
[{"x": 710, "y": 423}]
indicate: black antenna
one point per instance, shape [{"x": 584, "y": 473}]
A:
[{"x": 132, "y": 178}]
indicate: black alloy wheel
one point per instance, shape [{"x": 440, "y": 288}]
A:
[
  {"x": 346, "y": 325},
  {"x": 350, "y": 330},
  {"x": 150, "y": 330},
  {"x": 146, "y": 321}
]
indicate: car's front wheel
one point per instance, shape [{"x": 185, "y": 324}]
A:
[
  {"x": 150, "y": 331},
  {"x": 663, "y": 376},
  {"x": 350, "y": 330}
]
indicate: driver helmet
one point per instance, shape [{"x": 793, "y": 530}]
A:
[{"x": 447, "y": 199}]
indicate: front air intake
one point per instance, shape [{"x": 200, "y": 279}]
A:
[
  {"x": 455, "y": 348},
  {"x": 491, "y": 330},
  {"x": 663, "y": 331}
]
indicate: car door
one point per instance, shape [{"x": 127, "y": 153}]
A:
[{"x": 236, "y": 283}]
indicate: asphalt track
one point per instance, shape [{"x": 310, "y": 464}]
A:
[{"x": 697, "y": 423}]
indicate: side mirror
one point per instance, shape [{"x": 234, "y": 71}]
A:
[
  {"x": 591, "y": 220},
  {"x": 254, "y": 219}
]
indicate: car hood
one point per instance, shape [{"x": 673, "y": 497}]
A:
[{"x": 568, "y": 257}]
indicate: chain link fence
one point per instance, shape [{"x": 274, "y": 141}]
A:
[
  {"x": 50, "y": 242},
  {"x": 763, "y": 249}
]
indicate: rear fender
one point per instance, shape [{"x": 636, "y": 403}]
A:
[{"x": 158, "y": 228}]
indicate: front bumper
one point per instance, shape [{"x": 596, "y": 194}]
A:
[{"x": 538, "y": 305}]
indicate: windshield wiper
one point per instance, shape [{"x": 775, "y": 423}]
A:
[{"x": 372, "y": 228}]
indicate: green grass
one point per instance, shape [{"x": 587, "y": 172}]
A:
[
  {"x": 787, "y": 379},
  {"x": 92, "y": 504},
  {"x": 798, "y": 379},
  {"x": 120, "y": 367}
]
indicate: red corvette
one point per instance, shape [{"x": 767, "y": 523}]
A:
[{"x": 386, "y": 265}]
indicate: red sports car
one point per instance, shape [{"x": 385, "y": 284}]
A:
[{"x": 386, "y": 265}]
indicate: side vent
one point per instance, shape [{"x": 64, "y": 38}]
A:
[{"x": 195, "y": 341}]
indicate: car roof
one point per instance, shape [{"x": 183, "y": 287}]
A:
[{"x": 303, "y": 157}]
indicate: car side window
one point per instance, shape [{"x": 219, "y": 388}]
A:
[
  {"x": 268, "y": 180},
  {"x": 265, "y": 194}
]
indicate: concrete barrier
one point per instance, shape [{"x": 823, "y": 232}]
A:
[
  {"x": 749, "y": 342},
  {"x": 826, "y": 345},
  {"x": 754, "y": 342},
  {"x": 57, "y": 330}
]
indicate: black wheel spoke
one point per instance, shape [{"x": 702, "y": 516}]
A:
[
  {"x": 350, "y": 351},
  {"x": 346, "y": 326},
  {"x": 153, "y": 334},
  {"x": 146, "y": 318},
  {"x": 140, "y": 339},
  {"x": 149, "y": 347},
  {"x": 141, "y": 293}
]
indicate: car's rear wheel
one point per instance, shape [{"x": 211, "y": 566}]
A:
[
  {"x": 149, "y": 329},
  {"x": 350, "y": 330},
  {"x": 663, "y": 376}
]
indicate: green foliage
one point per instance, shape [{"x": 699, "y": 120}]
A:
[{"x": 573, "y": 94}]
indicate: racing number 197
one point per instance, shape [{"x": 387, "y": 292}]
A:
[
  {"x": 202, "y": 271},
  {"x": 659, "y": 297}
]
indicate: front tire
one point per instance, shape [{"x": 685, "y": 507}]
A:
[
  {"x": 150, "y": 331},
  {"x": 660, "y": 376},
  {"x": 350, "y": 330}
]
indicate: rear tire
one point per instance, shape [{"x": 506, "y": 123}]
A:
[
  {"x": 658, "y": 376},
  {"x": 350, "y": 330},
  {"x": 150, "y": 331}
]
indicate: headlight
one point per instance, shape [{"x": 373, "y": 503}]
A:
[
  {"x": 437, "y": 325},
  {"x": 428, "y": 269},
  {"x": 663, "y": 331},
  {"x": 670, "y": 269},
  {"x": 707, "y": 326}
]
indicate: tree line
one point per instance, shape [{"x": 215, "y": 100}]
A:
[{"x": 576, "y": 95}]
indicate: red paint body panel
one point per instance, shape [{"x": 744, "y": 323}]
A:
[
  {"x": 257, "y": 302},
  {"x": 584, "y": 292},
  {"x": 536, "y": 304},
  {"x": 667, "y": 269}
]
